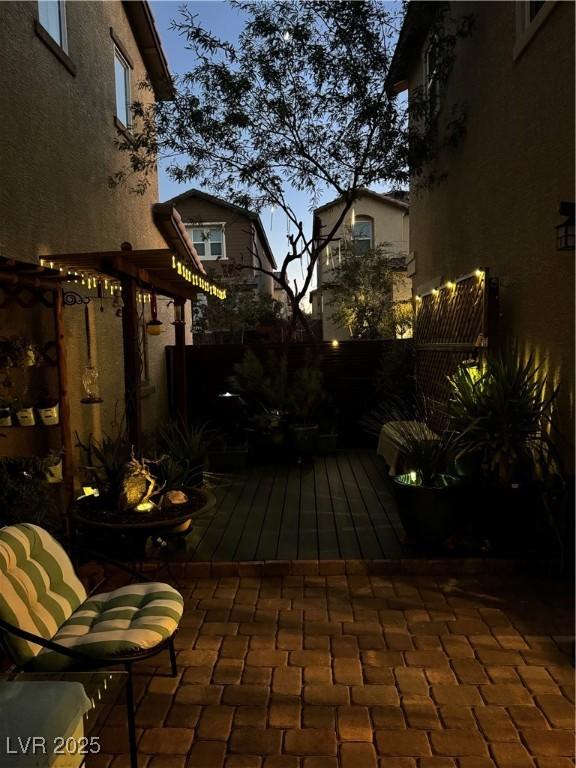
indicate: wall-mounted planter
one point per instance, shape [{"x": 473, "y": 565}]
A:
[
  {"x": 25, "y": 417},
  {"x": 54, "y": 473},
  {"x": 49, "y": 416},
  {"x": 5, "y": 417}
]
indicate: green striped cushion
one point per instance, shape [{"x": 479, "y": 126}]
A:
[
  {"x": 39, "y": 590},
  {"x": 132, "y": 618}
]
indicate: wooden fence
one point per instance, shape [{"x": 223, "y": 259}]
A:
[
  {"x": 354, "y": 372},
  {"x": 452, "y": 323}
]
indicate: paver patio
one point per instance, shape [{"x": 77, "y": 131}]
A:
[
  {"x": 332, "y": 507},
  {"x": 327, "y": 668}
]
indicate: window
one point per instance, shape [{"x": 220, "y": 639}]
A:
[
  {"x": 362, "y": 235},
  {"x": 333, "y": 253},
  {"x": 52, "y": 16},
  {"x": 534, "y": 6},
  {"x": 122, "y": 78},
  {"x": 208, "y": 240},
  {"x": 432, "y": 79},
  {"x": 531, "y": 16}
]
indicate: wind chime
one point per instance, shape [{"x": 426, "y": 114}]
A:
[{"x": 90, "y": 375}]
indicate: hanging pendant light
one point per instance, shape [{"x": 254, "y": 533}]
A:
[
  {"x": 154, "y": 326},
  {"x": 90, "y": 374}
]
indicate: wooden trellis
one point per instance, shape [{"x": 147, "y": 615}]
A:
[{"x": 453, "y": 323}]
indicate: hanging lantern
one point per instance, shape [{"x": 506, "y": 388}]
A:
[
  {"x": 90, "y": 375},
  {"x": 154, "y": 326}
]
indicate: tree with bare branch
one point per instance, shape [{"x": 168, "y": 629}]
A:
[{"x": 299, "y": 103}]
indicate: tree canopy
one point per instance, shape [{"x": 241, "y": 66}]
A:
[
  {"x": 361, "y": 295},
  {"x": 298, "y": 102}
]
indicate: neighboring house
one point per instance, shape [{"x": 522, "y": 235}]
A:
[
  {"x": 229, "y": 240},
  {"x": 374, "y": 220},
  {"x": 70, "y": 72},
  {"x": 506, "y": 180}
]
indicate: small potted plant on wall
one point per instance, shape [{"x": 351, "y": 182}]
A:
[
  {"x": 48, "y": 409},
  {"x": 54, "y": 467},
  {"x": 25, "y": 412},
  {"x": 17, "y": 352},
  {"x": 6, "y": 410}
]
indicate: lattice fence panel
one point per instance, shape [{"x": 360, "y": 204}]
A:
[{"x": 452, "y": 323}]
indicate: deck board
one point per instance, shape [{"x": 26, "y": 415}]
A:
[{"x": 334, "y": 507}]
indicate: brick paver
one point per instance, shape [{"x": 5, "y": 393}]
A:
[{"x": 334, "y": 667}]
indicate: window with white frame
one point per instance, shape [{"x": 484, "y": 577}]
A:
[
  {"x": 333, "y": 253},
  {"x": 52, "y": 16},
  {"x": 123, "y": 97},
  {"x": 208, "y": 240},
  {"x": 362, "y": 234}
]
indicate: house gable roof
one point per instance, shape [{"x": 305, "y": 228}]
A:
[
  {"x": 147, "y": 38},
  {"x": 237, "y": 209},
  {"x": 417, "y": 22},
  {"x": 379, "y": 196}
]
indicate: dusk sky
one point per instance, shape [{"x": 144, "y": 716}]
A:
[{"x": 226, "y": 22}]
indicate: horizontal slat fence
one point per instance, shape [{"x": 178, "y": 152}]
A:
[{"x": 351, "y": 372}]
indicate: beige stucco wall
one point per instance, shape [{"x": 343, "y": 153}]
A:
[
  {"x": 57, "y": 152},
  {"x": 498, "y": 206},
  {"x": 57, "y": 137},
  {"x": 391, "y": 230},
  {"x": 241, "y": 240}
]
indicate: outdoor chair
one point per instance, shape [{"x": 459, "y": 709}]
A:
[{"x": 48, "y": 623}]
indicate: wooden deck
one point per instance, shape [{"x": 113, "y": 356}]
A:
[{"x": 336, "y": 507}]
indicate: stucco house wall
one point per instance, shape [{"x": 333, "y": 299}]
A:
[
  {"x": 57, "y": 148},
  {"x": 57, "y": 153},
  {"x": 241, "y": 236},
  {"x": 391, "y": 229},
  {"x": 498, "y": 206}
]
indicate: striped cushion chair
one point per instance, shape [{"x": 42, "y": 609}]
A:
[{"x": 50, "y": 624}]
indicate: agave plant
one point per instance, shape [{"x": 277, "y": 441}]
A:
[{"x": 502, "y": 414}]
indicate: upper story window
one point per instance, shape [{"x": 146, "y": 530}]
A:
[
  {"x": 52, "y": 16},
  {"x": 208, "y": 240},
  {"x": 362, "y": 235},
  {"x": 123, "y": 97},
  {"x": 531, "y": 16}
]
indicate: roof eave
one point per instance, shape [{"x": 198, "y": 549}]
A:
[
  {"x": 147, "y": 38},
  {"x": 172, "y": 229}
]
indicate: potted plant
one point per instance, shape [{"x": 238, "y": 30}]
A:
[
  {"x": 54, "y": 467},
  {"x": 25, "y": 412},
  {"x": 17, "y": 352},
  {"x": 427, "y": 493},
  {"x": 6, "y": 411},
  {"x": 25, "y": 494},
  {"x": 188, "y": 445},
  {"x": 502, "y": 415},
  {"x": 305, "y": 397},
  {"x": 48, "y": 410}
]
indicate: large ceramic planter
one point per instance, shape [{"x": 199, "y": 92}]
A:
[
  {"x": 25, "y": 417},
  {"x": 50, "y": 415},
  {"x": 428, "y": 513}
]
